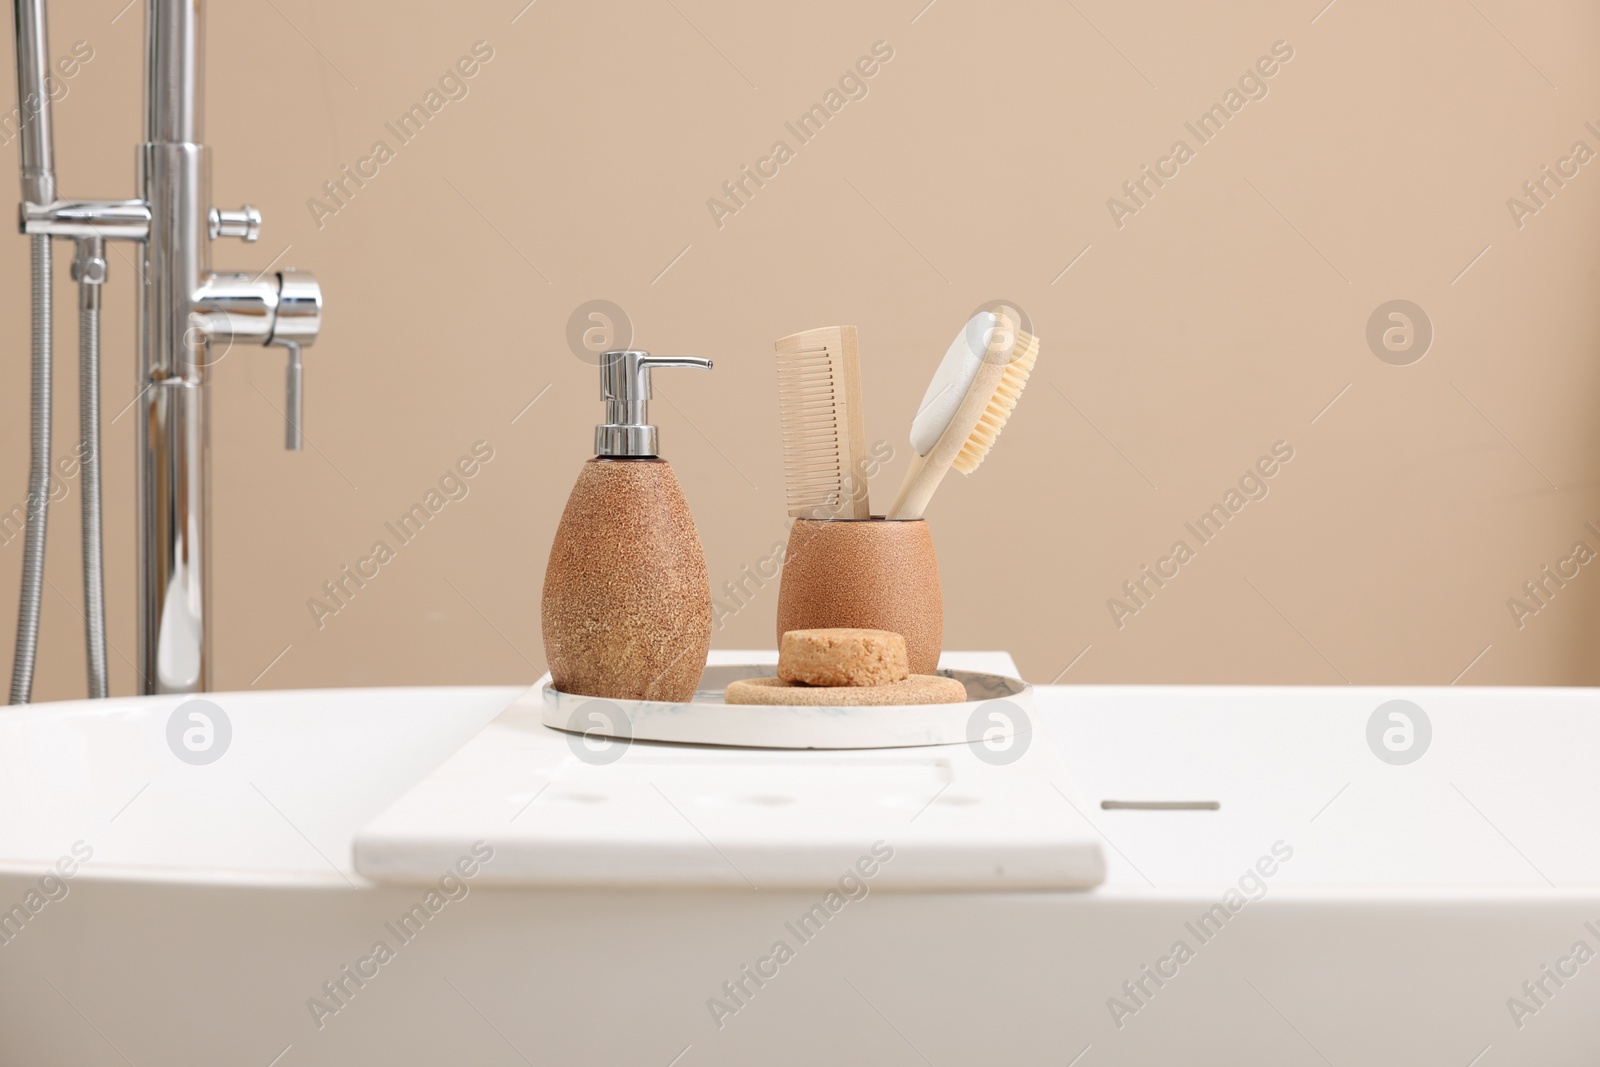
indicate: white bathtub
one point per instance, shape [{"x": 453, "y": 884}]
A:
[{"x": 1417, "y": 901}]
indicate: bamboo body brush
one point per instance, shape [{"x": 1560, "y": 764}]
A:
[{"x": 967, "y": 404}]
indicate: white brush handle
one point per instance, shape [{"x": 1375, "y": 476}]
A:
[{"x": 926, "y": 472}]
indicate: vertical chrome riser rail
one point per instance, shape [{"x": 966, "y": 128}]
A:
[{"x": 174, "y": 469}]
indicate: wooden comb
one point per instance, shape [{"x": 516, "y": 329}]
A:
[{"x": 824, "y": 427}]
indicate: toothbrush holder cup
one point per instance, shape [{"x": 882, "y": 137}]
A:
[{"x": 873, "y": 574}]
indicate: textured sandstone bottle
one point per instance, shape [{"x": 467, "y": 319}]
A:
[{"x": 626, "y": 613}]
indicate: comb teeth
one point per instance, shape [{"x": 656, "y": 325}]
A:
[
  {"x": 819, "y": 397},
  {"x": 808, "y": 402},
  {"x": 1024, "y": 353}
]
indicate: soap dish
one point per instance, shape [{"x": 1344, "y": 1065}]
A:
[{"x": 997, "y": 707}]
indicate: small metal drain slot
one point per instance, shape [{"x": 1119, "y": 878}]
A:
[{"x": 1159, "y": 805}]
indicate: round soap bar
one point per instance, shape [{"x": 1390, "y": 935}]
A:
[
  {"x": 842, "y": 657},
  {"x": 917, "y": 689}
]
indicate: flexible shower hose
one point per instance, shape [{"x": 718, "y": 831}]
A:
[
  {"x": 38, "y": 479},
  {"x": 94, "y": 588}
]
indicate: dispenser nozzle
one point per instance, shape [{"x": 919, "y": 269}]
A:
[{"x": 625, "y": 388}]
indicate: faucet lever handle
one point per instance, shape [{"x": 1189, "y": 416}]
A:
[
  {"x": 293, "y": 396},
  {"x": 296, "y": 322}
]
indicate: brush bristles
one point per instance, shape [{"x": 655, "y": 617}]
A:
[
  {"x": 1001, "y": 404},
  {"x": 808, "y": 403}
]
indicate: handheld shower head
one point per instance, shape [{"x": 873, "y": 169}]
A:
[{"x": 36, "y": 138}]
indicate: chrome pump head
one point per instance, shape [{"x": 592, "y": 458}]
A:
[{"x": 625, "y": 387}]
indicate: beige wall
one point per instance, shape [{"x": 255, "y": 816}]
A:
[{"x": 1221, "y": 318}]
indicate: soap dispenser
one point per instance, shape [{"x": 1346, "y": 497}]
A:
[{"x": 627, "y": 600}]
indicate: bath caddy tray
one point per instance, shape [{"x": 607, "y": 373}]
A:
[
  {"x": 988, "y": 714},
  {"x": 564, "y": 810}
]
